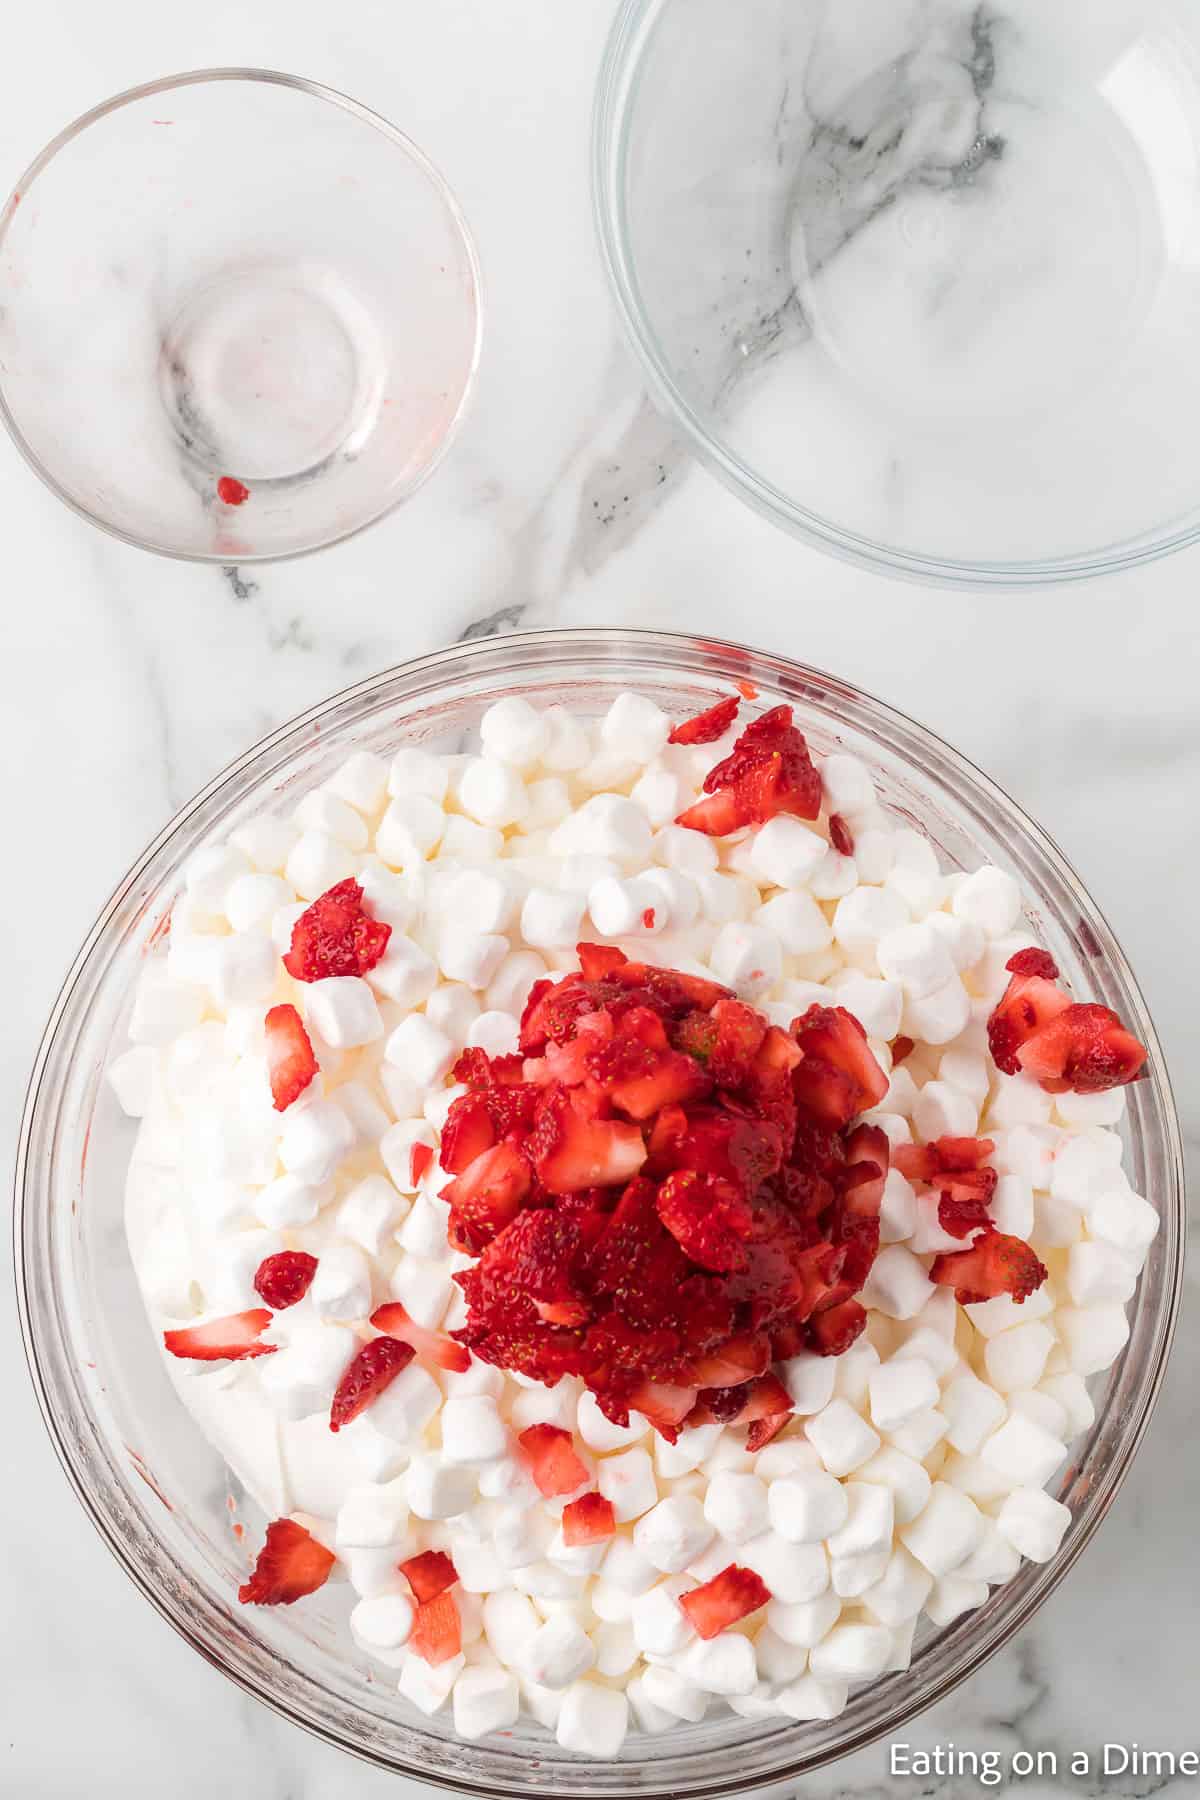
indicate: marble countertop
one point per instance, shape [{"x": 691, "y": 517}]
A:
[{"x": 127, "y": 681}]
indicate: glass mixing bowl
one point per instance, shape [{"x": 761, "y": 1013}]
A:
[
  {"x": 159, "y": 1495},
  {"x": 919, "y": 280},
  {"x": 239, "y": 316}
]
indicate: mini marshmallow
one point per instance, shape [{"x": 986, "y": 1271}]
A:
[
  {"x": 746, "y": 958},
  {"x": 509, "y": 1624},
  {"x": 1021, "y": 1450},
  {"x": 938, "y": 1017},
  {"x": 466, "y": 842},
  {"x": 409, "y": 831},
  {"x": 521, "y": 1535},
  {"x": 599, "y": 1432},
  {"x": 404, "y": 973},
  {"x": 558, "y": 1653},
  {"x": 851, "y": 1652},
  {"x": 594, "y": 1720},
  {"x": 735, "y": 1506},
  {"x": 396, "y": 1147},
  {"x": 253, "y": 900},
  {"x": 437, "y": 1489},
  {"x": 723, "y": 1665},
  {"x": 675, "y": 847},
  {"x": 989, "y": 898},
  {"x": 341, "y": 1287},
  {"x": 675, "y": 898},
  {"x": 660, "y": 1625},
  {"x": 423, "y": 1233},
  {"x": 635, "y": 726},
  {"x": 626, "y": 1569},
  {"x": 1069, "y": 1390},
  {"x": 325, "y": 811},
  {"x": 264, "y": 841},
  {"x": 841, "y": 1437},
  {"x": 777, "y": 1660},
  {"x": 1011, "y": 1206},
  {"x": 209, "y": 873},
  {"x": 428, "y": 1686},
  {"x": 369, "y": 1213},
  {"x": 660, "y": 794},
  {"x": 868, "y": 1526},
  {"x": 551, "y": 919},
  {"x": 784, "y": 852},
  {"x": 876, "y": 1005},
  {"x": 672, "y": 1533},
  {"x": 993, "y": 1560},
  {"x": 1033, "y": 1522},
  {"x": 384, "y": 1623},
  {"x": 317, "y": 862},
  {"x": 424, "y": 1290},
  {"x": 964, "y": 939},
  {"x": 792, "y": 1572},
  {"x": 906, "y": 1478},
  {"x": 315, "y": 1140},
  {"x": 847, "y": 784},
  {"x": 917, "y": 958},
  {"x": 1043, "y": 1409},
  {"x": 810, "y": 1698},
  {"x": 132, "y": 1076},
  {"x": 835, "y": 876},
  {"x": 897, "y": 1284},
  {"x": 342, "y": 1010},
  {"x": 300, "y": 1379},
  {"x": 900, "y": 1388},
  {"x": 485, "y": 1699},
  {"x": 945, "y": 1532},
  {"x": 420, "y": 1051},
  {"x": 404, "y": 1408},
  {"x": 1093, "y": 1336},
  {"x": 693, "y": 1446},
  {"x": 492, "y": 793},
  {"x": 808, "y": 1506},
  {"x": 954, "y": 1595},
  {"x": 1002, "y": 1313},
  {"x": 494, "y": 1032},
  {"x": 453, "y": 1009},
  {"x": 797, "y": 921},
  {"x": 650, "y": 1718},
  {"x": 1098, "y": 1272},
  {"x": 418, "y": 772},
  {"x": 674, "y": 1693},
  {"x": 619, "y": 908},
  {"x": 1016, "y": 1359},
  {"x": 163, "y": 1008},
  {"x": 866, "y": 915},
  {"x": 804, "y": 1623},
  {"x": 973, "y": 1411},
  {"x": 783, "y": 1457},
  {"x": 513, "y": 732},
  {"x": 628, "y": 1482},
  {"x": 809, "y": 1380},
  {"x": 473, "y": 958},
  {"x": 473, "y": 1432},
  {"x": 1124, "y": 1220},
  {"x": 852, "y": 1575},
  {"x": 606, "y": 825},
  {"x": 944, "y": 1111}
]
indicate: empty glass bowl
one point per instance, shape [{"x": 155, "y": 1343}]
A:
[
  {"x": 919, "y": 281},
  {"x": 158, "y": 1492},
  {"x": 239, "y": 315}
]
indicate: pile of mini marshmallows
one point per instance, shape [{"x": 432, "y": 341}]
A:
[{"x": 913, "y": 1475}]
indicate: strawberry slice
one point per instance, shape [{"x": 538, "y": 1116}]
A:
[
  {"x": 763, "y": 1398},
  {"x": 336, "y": 936},
  {"x": 1030, "y": 1000},
  {"x": 420, "y": 1157},
  {"x": 732, "y": 1595},
  {"x": 290, "y": 1564},
  {"x": 1085, "y": 1049},
  {"x": 588, "y": 1520},
  {"x": 429, "y": 1574},
  {"x": 436, "y": 1634},
  {"x": 717, "y": 815},
  {"x": 707, "y": 1217},
  {"x": 291, "y": 1064},
  {"x": 768, "y": 771},
  {"x": 284, "y": 1278},
  {"x": 665, "y": 1404},
  {"x": 706, "y": 727},
  {"x": 738, "y": 1360},
  {"x": 1033, "y": 962},
  {"x": 995, "y": 1264},
  {"x": 902, "y": 1049},
  {"x": 232, "y": 1339},
  {"x": 598, "y": 960},
  {"x": 942, "y": 1156},
  {"x": 486, "y": 1197},
  {"x": 467, "y": 1133},
  {"x": 368, "y": 1373},
  {"x": 832, "y": 1331},
  {"x": 838, "y": 1077},
  {"x": 958, "y": 1218},
  {"x": 763, "y": 1430},
  {"x": 430, "y": 1346},
  {"x": 571, "y": 1151},
  {"x": 549, "y": 1454},
  {"x": 840, "y": 835}
]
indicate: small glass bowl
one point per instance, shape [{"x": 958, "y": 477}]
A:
[
  {"x": 919, "y": 283},
  {"x": 239, "y": 316},
  {"x": 161, "y": 1497}
]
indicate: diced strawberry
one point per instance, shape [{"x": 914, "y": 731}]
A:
[
  {"x": 730, "y": 1596},
  {"x": 549, "y": 1454},
  {"x": 664, "y": 1404},
  {"x": 942, "y": 1156},
  {"x": 838, "y": 1077},
  {"x": 763, "y": 1398},
  {"x": 708, "y": 726},
  {"x": 995, "y": 1264},
  {"x": 768, "y": 771},
  {"x": 290, "y": 1564},
  {"x": 419, "y": 1159},
  {"x": 761, "y": 1431},
  {"x": 1084, "y": 1050},
  {"x": 1033, "y": 962},
  {"x": 336, "y": 936},
  {"x": 467, "y": 1133},
  {"x": 738, "y": 1360},
  {"x": 840, "y": 835},
  {"x": 231, "y": 491},
  {"x": 232, "y": 1339},
  {"x": 588, "y": 1520},
  {"x": 369, "y": 1372},
  {"x": 958, "y": 1218},
  {"x": 716, "y": 815},
  {"x": 708, "y": 1218},
  {"x": 746, "y": 689},
  {"x": 598, "y": 960},
  {"x": 429, "y": 1574},
  {"x": 571, "y": 1151},
  {"x": 1029, "y": 1001},
  {"x": 284, "y": 1278},
  {"x": 487, "y": 1196},
  {"x": 832, "y": 1331},
  {"x": 430, "y": 1346},
  {"x": 291, "y": 1064},
  {"x": 902, "y": 1049},
  {"x": 436, "y": 1634}
]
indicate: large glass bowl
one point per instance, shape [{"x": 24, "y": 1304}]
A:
[
  {"x": 157, "y": 1493},
  {"x": 919, "y": 281}
]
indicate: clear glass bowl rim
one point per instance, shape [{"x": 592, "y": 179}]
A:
[
  {"x": 608, "y": 650},
  {"x": 616, "y": 91},
  {"x": 317, "y": 90}
]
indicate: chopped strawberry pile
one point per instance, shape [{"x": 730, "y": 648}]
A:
[
  {"x": 290, "y": 1564},
  {"x": 335, "y": 936},
  {"x": 588, "y": 1520},
  {"x": 664, "y": 1194},
  {"x": 1067, "y": 1047},
  {"x": 995, "y": 1264},
  {"x": 291, "y": 1064},
  {"x": 707, "y": 727},
  {"x": 429, "y": 1574},
  {"x": 232, "y": 1339},
  {"x": 732, "y": 1595},
  {"x": 368, "y": 1373},
  {"x": 768, "y": 771},
  {"x": 283, "y": 1279}
]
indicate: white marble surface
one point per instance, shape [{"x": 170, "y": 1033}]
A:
[{"x": 126, "y": 682}]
